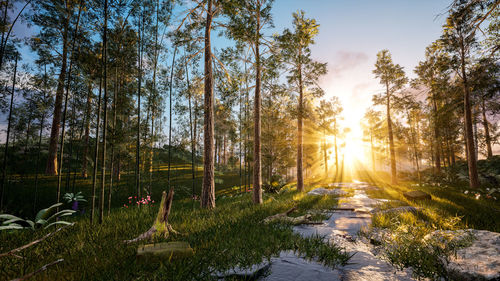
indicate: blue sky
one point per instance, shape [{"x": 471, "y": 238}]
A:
[{"x": 352, "y": 32}]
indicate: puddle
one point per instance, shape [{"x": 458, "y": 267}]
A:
[{"x": 287, "y": 266}]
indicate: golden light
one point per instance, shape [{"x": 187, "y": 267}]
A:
[{"x": 351, "y": 148}]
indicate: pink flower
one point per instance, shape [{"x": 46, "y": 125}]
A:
[{"x": 130, "y": 197}]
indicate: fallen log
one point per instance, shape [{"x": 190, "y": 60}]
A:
[
  {"x": 280, "y": 215},
  {"x": 161, "y": 227},
  {"x": 305, "y": 219}
]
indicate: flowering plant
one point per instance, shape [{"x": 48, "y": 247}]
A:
[{"x": 142, "y": 201}]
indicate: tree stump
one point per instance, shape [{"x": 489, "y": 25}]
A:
[{"x": 160, "y": 226}]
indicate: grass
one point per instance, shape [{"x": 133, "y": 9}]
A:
[
  {"x": 410, "y": 243},
  {"x": 19, "y": 195},
  {"x": 231, "y": 235}
]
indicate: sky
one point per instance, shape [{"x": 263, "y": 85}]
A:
[{"x": 352, "y": 32}]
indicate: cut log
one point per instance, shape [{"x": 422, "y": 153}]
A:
[
  {"x": 160, "y": 226},
  {"x": 163, "y": 251}
]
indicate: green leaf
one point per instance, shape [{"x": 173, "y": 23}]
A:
[
  {"x": 58, "y": 222},
  {"x": 7, "y": 222},
  {"x": 46, "y": 213},
  {"x": 10, "y": 227},
  {"x": 8, "y": 217},
  {"x": 61, "y": 214}
]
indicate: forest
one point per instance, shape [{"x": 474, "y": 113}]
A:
[{"x": 199, "y": 140}]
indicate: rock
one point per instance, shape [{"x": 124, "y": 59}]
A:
[
  {"x": 479, "y": 261},
  {"x": 417, "y": 195},
  {"x": 163, "y": 251},
  {"x": 324, "y": 191},
  {"x": 397, "y": 210}
]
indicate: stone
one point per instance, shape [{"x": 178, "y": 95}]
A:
[
  {"x": 324, "y": 191},
  {"x": 479, "y": 261},
  {"x": 417, "y": 195},
  {"x": 163, "y": 251}
]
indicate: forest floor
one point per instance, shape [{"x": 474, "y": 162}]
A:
[{"x": 233, "y": 235}]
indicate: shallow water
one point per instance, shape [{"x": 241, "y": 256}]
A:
[{"x": 341, "y": 228}]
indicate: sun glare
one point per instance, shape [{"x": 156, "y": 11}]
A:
[{"x": 351, "y": 147}]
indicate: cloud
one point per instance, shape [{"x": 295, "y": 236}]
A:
[{"x": 346, "y": 60}]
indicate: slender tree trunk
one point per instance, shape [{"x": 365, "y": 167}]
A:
[
  {"x": 208, "y": 187},
  {"x": 87, "y": 131},
  {"x": 240, "y": 141},
  {"x": 257, "y": 176},
  {"x": 414, "y": 144},
  {"x": 394, "y": 179},
  {"x": 42, "y": 119},
  {"x": 112, "y": 158},
  {"x": 372, "y": 150},
  {"x": 193, "y": 148},
  {"x": 51, "y": 168},
  {"x": 336, "y": 148},
  {"x": 6, "y": 151},
  {"x": 300, "y": 175},
  {"x": 105, "y": 113},
  {"x": 437, "y": 137},
  {"x": 471, "y": 161},
  {"x": 65, "y": 110},
  {"x": 170, "y": 118},
  {"x": 486, "y": 130},
  {"x": 138, "y": 148},
  {"x": 325, "y": 155},
  {"x": 96, "y": 152}
]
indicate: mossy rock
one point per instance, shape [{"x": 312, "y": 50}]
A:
[
  {"x": 417, "y": 195},
  {"x": 164, "y": 251}
]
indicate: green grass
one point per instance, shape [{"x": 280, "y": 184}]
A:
[
  {"x": 449, "y": 209},
  {"x": 20, "y": 189},
  {"x": 228, "y": 236}
]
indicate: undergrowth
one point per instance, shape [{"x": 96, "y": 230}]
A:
[{"x": 231, "y": 235}]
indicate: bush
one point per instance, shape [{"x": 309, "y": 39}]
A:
[{"x": 276, "y": 184}]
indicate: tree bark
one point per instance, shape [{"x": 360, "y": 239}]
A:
[
  {"x": 394, "y": 179},
  {"x": 300, "y": 175},
  {"x": 486, "y": 130},
  {"x": 257, "y": 176},
  {"x": 51, "y": 167},
  {"x": 105, "y": 113},
  {"x": 437, "y": 158},
  {"x": 87, "y": 131},
  {"x": 208, "y": 187},
  {"x": 471, "y": 161}
]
